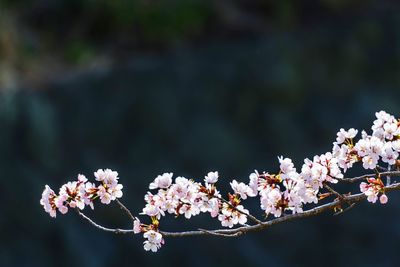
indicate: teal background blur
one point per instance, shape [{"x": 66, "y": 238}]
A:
[{"x": 145, "y": 87}]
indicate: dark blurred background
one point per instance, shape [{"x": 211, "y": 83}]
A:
[{"x": 191, "y": 86}]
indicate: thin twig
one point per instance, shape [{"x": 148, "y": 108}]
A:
[
  {"x": 333, "y": 191},
  {"x": 254, "y": 219},
  {"x": 381, "y": 168},
  {"x": 127, "y": 211},
  {"x": 363, "y": 177},
  {"x": 220, "y": 234},
  {"x": 388, "y": 177},
  {"x": 113, "y": 230}
]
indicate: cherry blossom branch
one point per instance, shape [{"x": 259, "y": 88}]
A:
[
  {"x": 366, "y": 176},
  {"x": 246, "y": 229},
  {"x": 334, "y": 192},
  {"x": 382, "y": 168},
  {"x": 208, "y": 232},
  {"x": 350, "y": 199},
  {"x": 282, "y": 194}
]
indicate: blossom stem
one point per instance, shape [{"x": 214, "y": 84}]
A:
[
  {"x": 388, "y": 176},
  {"x": 333, "y": 191},
  {"x": 113, "y": 230},
  {"x": 254, "y": 219},
  {"x": 220, "y": 234},
  {"x": 127, "y": 211},
  {"x": 366, "y": 176}
]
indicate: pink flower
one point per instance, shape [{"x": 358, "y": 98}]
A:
[
  {"x": 61, "y": 203},
  {"x": 137, "y": 226},
  {"x": 154, "y": 241},
  {"x": 107, "y": 176},
  {"x": 241, "y": 189},
  {"x": 372, "y": 190},
  {"x": 48, "y": 201},
  {"x": 189, "y": 210},
  {"x": 162, "y": 181},
  {"x": 151, "y": 210},
  {"x": 383, "y": 199},
  {"x": 253, "y": 184},
  {"x": 211, "y": 178},
  {"x": 105, "y": 196},
  {"x": 342, "y": 135},
  {"x": 226, "y": 221},
  {"x": 286, "y": 165}
]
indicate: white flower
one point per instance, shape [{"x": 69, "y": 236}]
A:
[
  {"x": 104, "y": 195},
  {"x": 241, "y": 189},
  {"x": 161, "y": 181},
  {"x": 211, "y": 178},
  {"x": 189, "y": 210},
  {"x": 153, "y": 242},
  {"x": 319, "y": 172},
  {"x": 369, "y": 191},
  {"x": 342, "y": 135},
  {"x": 153, "y": 236},
  {"x": 82, "y": 178},
  {"x": 151, "y": 210},
  {"x": 372, "y": 190},
  {"x": 391, "y": 129},
  {"x": 294, "y": 201},
  {"x": 239, "y": 217},
  {"x": 61, "y": 203},
  {"x": 47, "y": 201},
  {"x": 323, "y": 168},
  {"x": 385, "y": 126},
  {"x": 116, "y": 192},
  {"x": 388, "y": 155},
  {"x": 370, "y": 149},
  {"x": 383, "y": 115},
  {"x": 137, "y": 226},
  {"x": 269, "y": 201},
  {"x": 370, "y": 162},
  {"x": 226, "y": 221},
  {"x": 147, "y": 245},
  {"x": 253, "y": 184},
  {"x": 72, "y": 192},
  {"x": 286, "y": 165},
  {"x": 308, "y": 195},
  {"x": 214, "y": 205},
  {"x": 396, "y": 145},
  {"x": 107, "y": 176},
  {"x": 376, "y": 145}
]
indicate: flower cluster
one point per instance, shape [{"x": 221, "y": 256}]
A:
[
  {"x": 183, "y": 197},
  {"x": 284, "y": 191},
  {"x": 383, "y": 144},
  {"x": 109, "y": 189},
  {"x": 288, "y": 190},
  {"x": 372, "y": 189},
  {"x": 281, "y": 191},
  {"x": 79, "y": 193}
]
